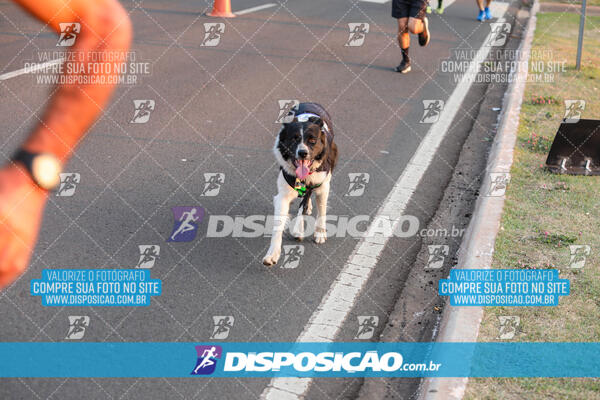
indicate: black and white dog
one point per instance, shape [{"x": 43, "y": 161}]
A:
[{"x": 306, "y": 155}]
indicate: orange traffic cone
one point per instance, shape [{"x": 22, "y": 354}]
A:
[{"x": 221, "y": 8}]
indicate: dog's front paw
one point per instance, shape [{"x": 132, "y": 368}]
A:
[
  {"x": 271, "y": 258},
  {"x": 320, "y": 235}
]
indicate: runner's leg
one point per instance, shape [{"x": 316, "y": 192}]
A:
[
  {"x": 481, "y": 15},
  {"x": 440, "y": 7},
  {"x": 415, "y": 25},
  {"x": 418, "y": 23},
  {"x": 488, "y": 13},
  {"x": 400, "y": 11},
  {"x": 404, "y": 43}
]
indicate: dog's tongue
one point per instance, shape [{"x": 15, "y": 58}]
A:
[{"x": 302, "y": 170}]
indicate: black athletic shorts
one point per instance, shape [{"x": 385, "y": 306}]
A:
[{"x": 409, "y": 8}]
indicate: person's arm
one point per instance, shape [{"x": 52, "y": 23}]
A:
[{"x": 105, "y": 28}]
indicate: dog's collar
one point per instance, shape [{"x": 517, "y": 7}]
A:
[
  {"x": 298, "y": 185},
  {"x": 304, "y": 191}
]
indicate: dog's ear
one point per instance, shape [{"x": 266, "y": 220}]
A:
[
  {"x": 332, "y": 155},
  {"x": 316, "y": 120}
]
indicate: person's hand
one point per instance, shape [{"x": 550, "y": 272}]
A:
[{"x": 21, "y": 207}]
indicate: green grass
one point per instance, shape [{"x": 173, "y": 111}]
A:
[
  {"x": 545, "y": 213},
  {"x": 578, "y": 2}
]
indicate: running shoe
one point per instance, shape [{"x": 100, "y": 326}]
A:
[
  {"x": 404, "y": 67},
  {"x": 439, "y": 10},
  {"x": 488, "y": 14},
  {"x": 428, "y": 10},
  {"x": 424, "y": 36},
  {"x": 481, "y": 16}
]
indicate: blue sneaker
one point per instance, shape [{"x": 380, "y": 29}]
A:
[
  {"x": 481, "y": 16},
  {"x": 488, "y": 14}
]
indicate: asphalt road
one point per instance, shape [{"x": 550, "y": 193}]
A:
[{"x": 214, "y": 112}]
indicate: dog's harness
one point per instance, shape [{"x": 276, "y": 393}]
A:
[
  {"x": 305, "y": 191},
  {"x": 299, "y": 186}
]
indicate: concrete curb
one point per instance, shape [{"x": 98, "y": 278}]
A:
[{"x": 461, "y": 324}]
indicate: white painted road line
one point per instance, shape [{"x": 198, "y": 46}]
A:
[
  {"x": 30, "y": 69},
  {"x": 445, "y": 4},
  {"x": 253, "y": 9},
  {"x": 326, "y": 321}
]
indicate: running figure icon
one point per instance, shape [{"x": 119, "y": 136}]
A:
[
  {"x": 208, "y": 356},
  {"x": 212, "y": 35},
  {"x": 358, "y": 184},
  {"x": 358, "y": 33},
  {"x": 68, "y": 34},
  {"x": 366, "y": 326},
  {"x": 222, "y": 326},
  {"x": 207, "y": 359},
  {"x": 431, "y": 111},
  {"x": 77, "y": 327},
  {"x": 148, "y": 255},
  {"x": 186, "y": 223},
  {"x": 142, "y": 111},
  {"x": 68, "y": 184},
  {"x": 212, "y": 183}
]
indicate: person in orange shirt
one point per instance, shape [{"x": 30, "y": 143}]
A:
[{"x": 32, "y": 172}]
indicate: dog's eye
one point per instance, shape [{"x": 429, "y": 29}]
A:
[{"x": 312, "y": 141}]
